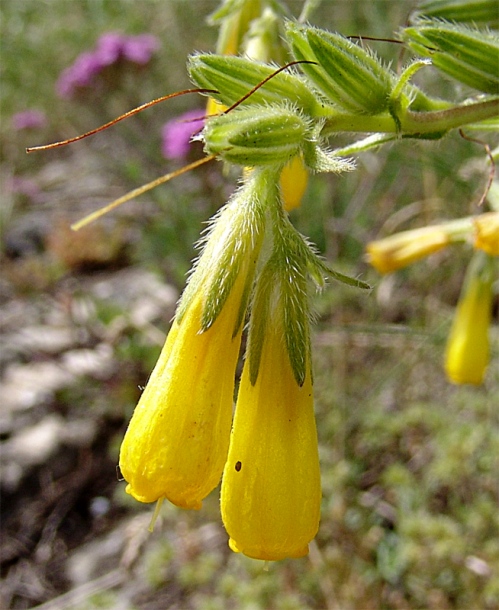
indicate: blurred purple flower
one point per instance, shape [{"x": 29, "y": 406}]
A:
[
  {"x": 29, "y": 119},
  {"x": 80, "y": 74},
  {"x": 110, "y": 48},
  {"x": 177, "y": 133},
  {"x": 139, "y": 49}
]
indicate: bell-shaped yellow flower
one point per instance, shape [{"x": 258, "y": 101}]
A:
[
  {"x": 487, "y": 233},
  {"x": 467, "y": 353},
  {"x": 271, "y": 489},
  {"x": 397, "y": 251},
  {"x": 177, "y": 441}
]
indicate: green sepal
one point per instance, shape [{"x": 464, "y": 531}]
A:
[
  {"x": 320, "y": 160},
  {"x": 234, "y": 77},
  {"x": 256, "y": 136},
  {"x": 322, "y": 267},
  {"x": 468, "y": 55},
  {"x": 231, "y": 247},
  {"x": 260, "y": 307},
  {"x": 473, "y": 11},
  {"x": 348, "y": 76}
]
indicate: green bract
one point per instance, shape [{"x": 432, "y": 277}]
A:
[
  {"x": 347, "y": 75},
  {"x": 470, "y": 56},
  {"x": 234, "y": 77},
  {"x": 256, "y": 135}
]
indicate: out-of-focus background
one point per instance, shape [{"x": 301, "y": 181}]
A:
[{"x": 409, "y": 461}]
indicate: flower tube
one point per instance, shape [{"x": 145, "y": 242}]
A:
[
  {"x": 468, "y": 351},
  {"x": 271, "y": 484},
  {"x": 271, "y": 491},
  {"x": 402, "y": 249},
  {"x": 177, "y": 440}
]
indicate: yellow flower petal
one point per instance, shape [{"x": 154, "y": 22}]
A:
[
  {"x": 177, "y": 441},
  {"x": 271, "y": 488},
  {"x": 467, "y": 352},
  {"x": 294, "y": 180}
]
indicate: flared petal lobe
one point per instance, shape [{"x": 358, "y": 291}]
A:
[
  {"x": 177, "y": 441},
  {"x": 271, "y": 488}
]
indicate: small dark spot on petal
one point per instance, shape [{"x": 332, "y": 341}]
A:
[{"x": 238, "y": 466}]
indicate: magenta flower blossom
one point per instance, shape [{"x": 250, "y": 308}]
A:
[
  {"x": 140, "y": 49},
  {"x": 29, "y": 119},
  {"x": 111, "y": 47},
  {"x": 177, "y": 133}
]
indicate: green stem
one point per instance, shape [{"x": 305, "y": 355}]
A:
[{"x": 414, "y": 124}]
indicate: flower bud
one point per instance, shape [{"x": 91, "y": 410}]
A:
[
  {"x": 473, "y": 11},
  {"x": 469, "y": 56},
  {"x": 234, "y": 77},
  {"x": 256, "y": 135},
  {"x": 348, "y": 76}
]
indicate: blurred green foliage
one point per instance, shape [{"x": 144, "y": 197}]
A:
[{"x": 410, "y": 464}]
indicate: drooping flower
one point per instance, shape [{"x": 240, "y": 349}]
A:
[
  {"x": 177, "y": 441},
  {"x": 271, "y": 489},
  {"x": 468, "y": 350}
]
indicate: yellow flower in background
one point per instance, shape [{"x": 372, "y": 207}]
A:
[
  {"x": 402, "y": 249},
  {"x": 468, "y": 351},
  {"x": 487, "y": 233},
  {"x": 397, "y": 251}
]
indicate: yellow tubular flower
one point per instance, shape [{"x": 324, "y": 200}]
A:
[
  {"x": 487, "y": 233},
  {"x": 271, "y": 489},
  {"x": 467, "y": 353},
  {"x": 397, "y": 251},
  {"x": 177, "y": 441}
]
